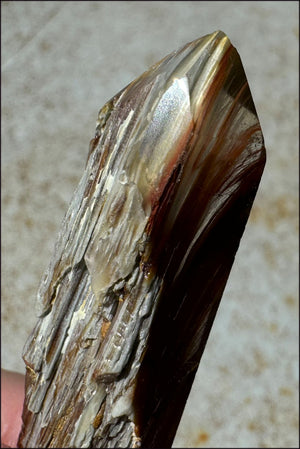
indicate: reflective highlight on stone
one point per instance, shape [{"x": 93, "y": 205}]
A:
[{"x": 143, "y": 254}]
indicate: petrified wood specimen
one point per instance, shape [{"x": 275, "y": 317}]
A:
[{"x": 144, "y": 254}]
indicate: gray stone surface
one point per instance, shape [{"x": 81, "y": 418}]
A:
[{"x": 61, "y": 61}]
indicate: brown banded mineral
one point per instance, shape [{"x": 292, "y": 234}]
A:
[{"x": 143, "y": 254}]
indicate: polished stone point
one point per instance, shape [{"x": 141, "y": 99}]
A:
[{"x": 143, "y": 255}]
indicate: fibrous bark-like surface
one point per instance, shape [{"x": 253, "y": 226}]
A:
[{"x": 144, "y": 254}]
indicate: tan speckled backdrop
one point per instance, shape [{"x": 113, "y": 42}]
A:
[{"x": 61, "y": 61}]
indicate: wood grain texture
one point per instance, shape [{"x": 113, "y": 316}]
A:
[{"x": 143, "y": 254}]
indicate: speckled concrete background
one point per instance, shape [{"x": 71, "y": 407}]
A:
[{"x": 61, "y": 61}]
